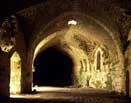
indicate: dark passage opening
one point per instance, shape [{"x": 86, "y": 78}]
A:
[{"x": 53, "y": 67}]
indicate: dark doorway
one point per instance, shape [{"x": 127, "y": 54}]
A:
[{"x": 53, "y": 67}]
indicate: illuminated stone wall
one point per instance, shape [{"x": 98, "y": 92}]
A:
[
  {"x": 88, "y": 74},
  {"x": 15, "y": 74},
  {"x": 105, "y": 75}
]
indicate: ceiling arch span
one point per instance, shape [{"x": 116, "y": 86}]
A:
[{"x": 87, "y": 24}]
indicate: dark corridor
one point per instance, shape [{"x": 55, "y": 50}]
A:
[{"x": 53, "y": 68}]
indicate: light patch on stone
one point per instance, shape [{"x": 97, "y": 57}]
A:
[
  {"x": 15, "y": 74},
  {"x": 72, "y": 22},
  {"x": 6, "y": 48},
  {"x": 129, "y": 36}
]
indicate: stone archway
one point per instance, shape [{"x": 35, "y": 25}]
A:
[{"x": 53, "y": 67}]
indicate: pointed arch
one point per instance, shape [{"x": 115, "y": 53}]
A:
[
  {"x": 98, "y": 60},
  {"x": 15, "y": 73}
]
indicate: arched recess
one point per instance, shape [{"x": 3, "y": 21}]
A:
[
  {"x": 98, "y": 59},
  {"x": 100, "y": 68},
  {"x": 15, "y": 73}
]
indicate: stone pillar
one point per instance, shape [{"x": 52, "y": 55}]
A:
[
  {"x": 25, "y": 72},
  {"x": 21, "y": 48},
  {"x": 128, "y": 70},
  {"x": 26, "y": 76}
]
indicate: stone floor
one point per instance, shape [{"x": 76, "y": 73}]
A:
[{"x": 68, "y": 95}]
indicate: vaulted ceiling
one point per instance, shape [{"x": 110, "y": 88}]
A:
[
  {"x": 112, "y": 13},
  {"x": 8, "y": 7}
]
